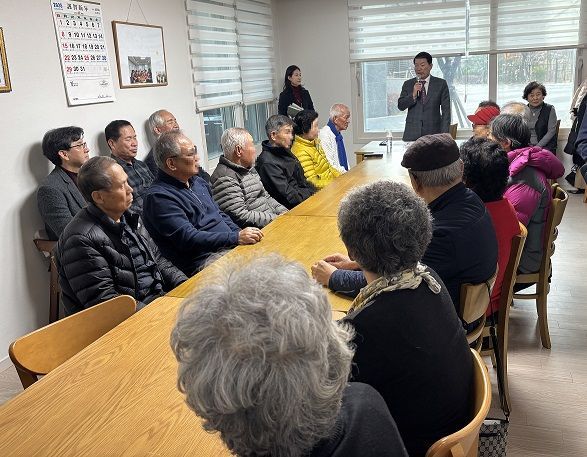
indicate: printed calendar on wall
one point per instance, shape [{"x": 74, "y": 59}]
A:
[{"x": 82, "y": 47}]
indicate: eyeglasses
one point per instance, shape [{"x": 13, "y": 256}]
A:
[{"x": 83, "y": 145}]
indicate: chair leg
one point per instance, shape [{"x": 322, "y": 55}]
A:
[
  {"x": 53, "y": 292},
  {"x": 503, "y": 357},
  {"x": 541, "y": 308}
]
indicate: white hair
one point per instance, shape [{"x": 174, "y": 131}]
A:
[
  {"x": 156, "y": 120},
  {"x": 231, "y": 138},
  {"x": 338, "y": 109},
  {"x": 518, "y": 108},
  {"x": 260, "y": 358}
]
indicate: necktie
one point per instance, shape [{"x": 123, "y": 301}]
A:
[{"x": 423, "y": 91}]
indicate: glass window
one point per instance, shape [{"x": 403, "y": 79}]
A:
[
  {"x": 382, "y": 81},
  {"x": 217, "y": 121},
  {"x": 255, "y": 119},
  {"x": 555, "y": 69}
]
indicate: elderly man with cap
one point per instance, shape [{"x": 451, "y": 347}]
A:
[
  {"x": 483, "y": 116},
  {"x": 463, "y": 248}
]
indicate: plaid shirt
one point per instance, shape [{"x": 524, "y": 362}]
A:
[{"x": 139, "y": 178}]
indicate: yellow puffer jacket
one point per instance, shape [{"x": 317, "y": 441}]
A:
[{"x": 316, "y": 167}]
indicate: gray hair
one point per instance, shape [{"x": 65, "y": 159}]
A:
[
  {"x": 95, "y": 175},
  {"x": 512, "y": 127},
  {"x": 385, "y": 227},
  {"x": 521, "y": 109},
  {"x": 338, "y": 109},
  {"x": 275, "y": 122},
  {"x": 260, "y": 359},
  {"x": 440, "y": 177},
  {"x": 167, "y": 146},
  {"x": 155, "y": 120},
  {"x": 231, "y": 138}
]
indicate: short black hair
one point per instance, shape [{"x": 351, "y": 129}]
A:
[
  {"x": 112, "y": 130},
  {"x": 303, "y": 121},
  {"x": 486, "y": 103},
  {"x": 424, "y": 55},
  {"x": 60, "y": 139},
  {"x": 512, "y": 127},
  {"x": 486, "y": 168},
  {"x": 531, "y": 86}
]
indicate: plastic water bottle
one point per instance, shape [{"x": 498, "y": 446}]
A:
[{"x": 388, "y": 141}]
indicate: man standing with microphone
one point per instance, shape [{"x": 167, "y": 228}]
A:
[{"x": 427, "y": 100}]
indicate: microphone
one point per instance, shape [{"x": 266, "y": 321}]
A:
[{"x": 419, "y": 92}]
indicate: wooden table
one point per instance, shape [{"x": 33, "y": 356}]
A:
[{"x": 118, "y": 397}]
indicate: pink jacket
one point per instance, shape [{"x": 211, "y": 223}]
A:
[{"x": 530, "y": 194}]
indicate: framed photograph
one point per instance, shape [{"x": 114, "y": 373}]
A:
[
  {"x": 4, "y": 76},
  {"x": 140, "y": 54}
]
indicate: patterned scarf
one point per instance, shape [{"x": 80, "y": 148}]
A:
[{"x": 410, "y": 278}]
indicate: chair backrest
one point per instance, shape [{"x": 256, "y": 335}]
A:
[
  {"x": 465, "y": 441},
  {"x": 46, "y": 246},
  {"x": 43, "y": 350},
  {"x": 452, "y": 130},
  {"x": 509, "y": 279},
  {"x": 560, "y": 197},
  {"x": 475, "y": 299}
]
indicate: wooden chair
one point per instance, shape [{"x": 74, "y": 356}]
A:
[
  {"x": 45, "y": 247},
  {"x": 475, "y": 299},
  {"x": 465, "y": 442},
  {"x": 505, "y": 300},
  {"x": 43, "y": 350},
  {"x": 540, "y": 278},
  {"x": 452, "y": 130}
]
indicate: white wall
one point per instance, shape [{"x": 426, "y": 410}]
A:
[
  {"x": 38, "y": 103},
  {"x": 314, "y": 36}
]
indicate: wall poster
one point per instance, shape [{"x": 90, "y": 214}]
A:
[{"x": 82, "y": 48}]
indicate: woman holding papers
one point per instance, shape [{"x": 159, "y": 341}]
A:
[{"x": 293, "y": 93}]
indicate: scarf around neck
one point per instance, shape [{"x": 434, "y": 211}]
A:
[
  {"x": 410, "y": 278},
  {"x": 339, "y": 146}
]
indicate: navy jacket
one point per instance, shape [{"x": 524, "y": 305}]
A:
[
  {"x": 186, "y": 222},
  {"x": 463, "y": 246},
  {"x": 581, "y": 143}
]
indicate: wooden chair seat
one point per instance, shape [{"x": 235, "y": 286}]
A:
[
  {"x": 540, "y": 278},
  {"x": 475, "y": 299},
  {"x": 465, "y": 442},
  {"x": 43, "y": 350},
  {"x": 502, "y": 328}
]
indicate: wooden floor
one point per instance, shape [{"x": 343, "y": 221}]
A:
[{"x": 548, "y": 387}]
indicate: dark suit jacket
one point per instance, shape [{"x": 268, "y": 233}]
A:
[
  {"x": 425, "y": 118},
  {"x": 58, "y": 199}
]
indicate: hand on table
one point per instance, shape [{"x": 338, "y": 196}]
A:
[
  {"x": 250, "y": 235},
  {"x": 321, "y": 272},
  {"x": 341, "y": 261}
]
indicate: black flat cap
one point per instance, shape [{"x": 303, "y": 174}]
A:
[{"x": 431, "y": 152}]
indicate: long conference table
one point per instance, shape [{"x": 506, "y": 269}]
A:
[{"x": 118, "y": 397}]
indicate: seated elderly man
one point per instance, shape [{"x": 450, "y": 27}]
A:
[
  {"x": 58, "y": 196},
  {"x": 262, "y": 362},
  {"x": 331, "y": 137},
  {"x": 180, "y": 213},
  {"x": 463, "y": 247},
  {"x": 410, "y": 344},
  {"x": 159, "y": 122},
  {"x": 236, "y": 185},
  {"x": 516, "y": 108},
  {"x": 102, "y": 252},
  {"x": 279, "y": 170}
]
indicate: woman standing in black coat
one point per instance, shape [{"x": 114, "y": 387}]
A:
[{"x": 293, "y": 92}]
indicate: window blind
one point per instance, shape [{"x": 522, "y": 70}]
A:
[
  {"x": 214, "y": 53},
  {"x": 514, "y": 25},
  {"x": 380, "y": 29},
  {"x": 255, "y": 47},
  {"x": 231, "y": 48}
]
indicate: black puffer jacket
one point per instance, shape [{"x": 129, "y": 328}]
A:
[
  {"x": 95, "y": 265},
  {"x": 283, "y": 176}
]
